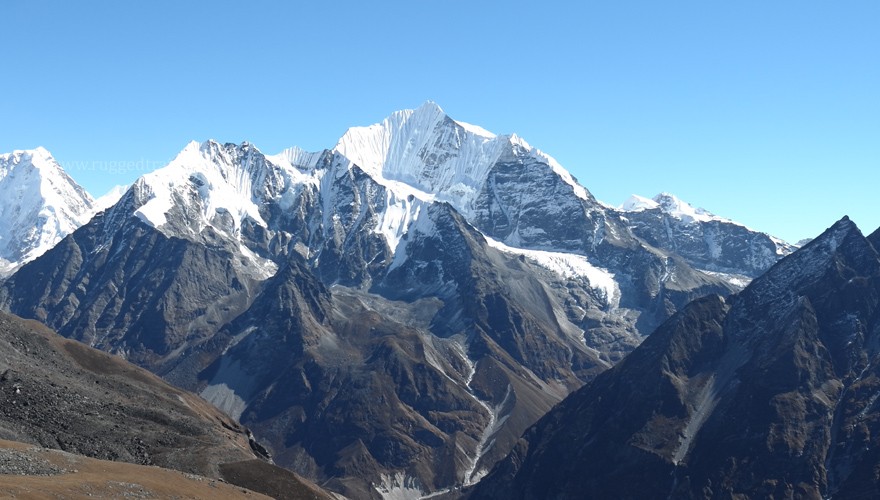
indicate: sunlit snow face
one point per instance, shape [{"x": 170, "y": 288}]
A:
[
  {"x": 434, "y": 156},
  {"x": 39, "y": 205}
]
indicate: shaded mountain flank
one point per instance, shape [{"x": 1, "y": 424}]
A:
[
  {"x": 770, "y": 393},
  {"x": 60, "y": 394},
  {"x": 706, "y": 241}
]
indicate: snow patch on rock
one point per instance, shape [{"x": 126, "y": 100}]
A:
[{"x": 568, "y": 265}]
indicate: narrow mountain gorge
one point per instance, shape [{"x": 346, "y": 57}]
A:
[
  {"x": 771, "y": 392},
  {"x": 388, "y": 316}
]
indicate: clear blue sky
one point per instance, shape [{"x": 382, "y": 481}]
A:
[{"x": 766, "y": 112}]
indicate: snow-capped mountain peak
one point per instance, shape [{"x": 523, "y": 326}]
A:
[
  {"x": 221, "y": 180},
  {"x": 707, "y": 241},
  {"x": 438, "y": 157},
  {"x": 636, "y": 203},
  {"x": 671, "y": 205},
  {"x": 38, "y": 157},
  {"x": 683, "y": 210},
  {"x": 39, "y": 205},
  {"x": 423, "y": 148}
]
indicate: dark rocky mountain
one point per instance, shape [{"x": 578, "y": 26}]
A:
[
  {"x": 706, "y": 241},
  {"x": 60, "y": 394},
  {"x": 770, "y": 393},
  {"x": 388, "y": 316},
  {"x": 388, "y": 388}
]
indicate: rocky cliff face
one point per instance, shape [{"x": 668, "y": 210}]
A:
[
  {"x": 771, "y": 392},
  {"x": 704, "y": 240}
]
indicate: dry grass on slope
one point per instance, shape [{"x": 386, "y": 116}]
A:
[{"x": 28, "y": 472}]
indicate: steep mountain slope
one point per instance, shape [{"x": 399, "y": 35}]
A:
[
  {"x": 31, "y": 472},
  {"x": 704, "y": 240},
  {"x": 771, "y": 392},
  {"x": 450, "y": 387},
  {"x": 61, "y": 394},
  {"x": 39, "y": 205},
  {"x": 509, "y": 190},
  {"x": 523, "y": 199},
  {"x": 446, "y": 293},
  {"x": 440, "y": 158}
]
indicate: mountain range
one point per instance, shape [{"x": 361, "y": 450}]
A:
[{"x": 387, "y": 316}]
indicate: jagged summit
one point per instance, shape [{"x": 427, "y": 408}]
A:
[
  {"x": 225, "y": 181},
  {"x": 440, "y": 157},
  {"x": 672, "y": 205},
  {"x": 221, "y": 178},
  {"x": 231, "y": 191},
  {"x": 843, "y": 240},
  {"x": 636, "y": 203},
  {"x": 815, "y": 257},
  {"x": 418, "y": 156},
  {"x": 709, "y": 242},
  {"x": 39, "y": 205},
  {"x": 37, "y": 157}
]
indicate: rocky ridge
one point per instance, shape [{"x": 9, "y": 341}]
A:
[
  {"x": 770, "y": 392},
  {"x": 706, "y": 241}
]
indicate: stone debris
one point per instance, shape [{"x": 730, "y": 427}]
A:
[{"x": 18, "y": 463}]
